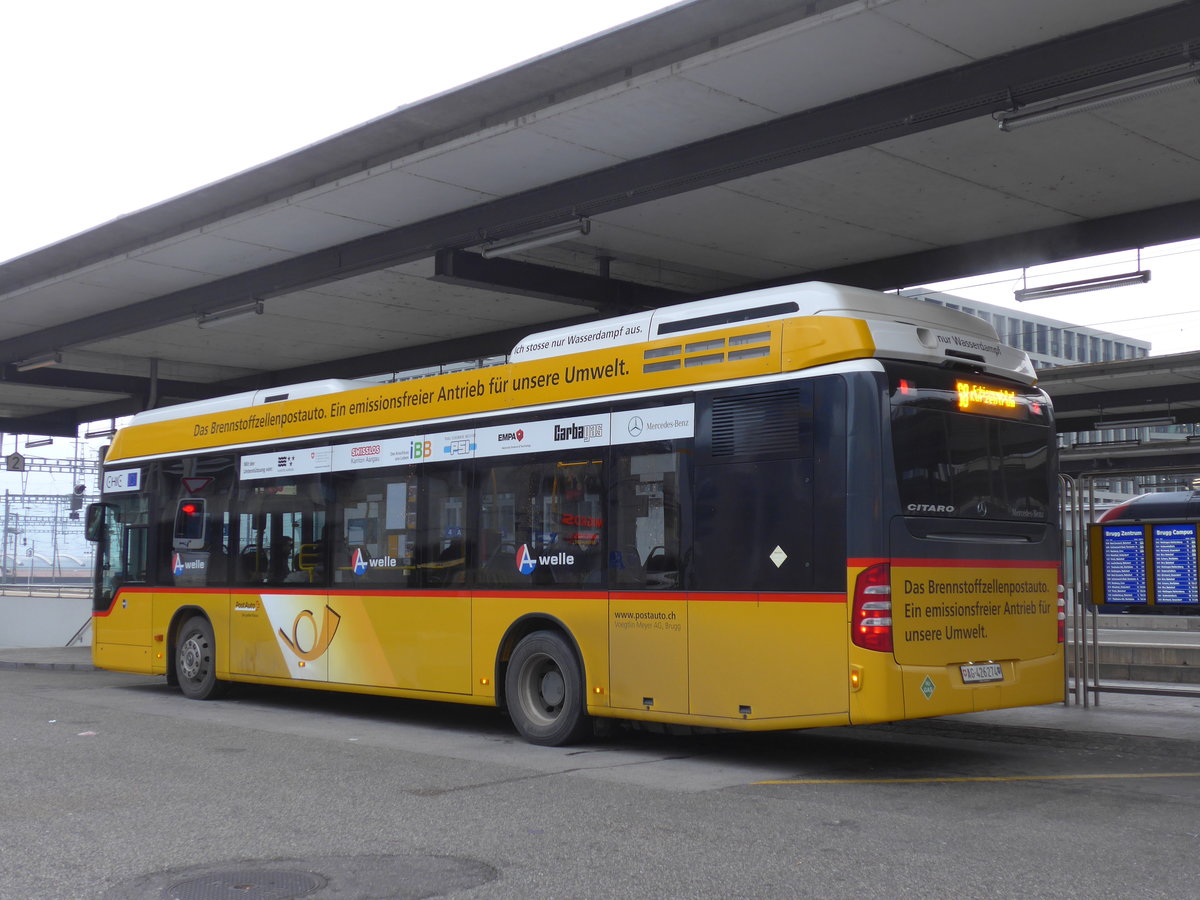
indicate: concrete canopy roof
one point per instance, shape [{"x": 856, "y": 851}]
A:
[{"x": 716, "y": 145}]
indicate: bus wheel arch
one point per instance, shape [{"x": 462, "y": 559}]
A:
[
  {"x": 540, "y": 676},
  {"x": 192, "y": 665}
]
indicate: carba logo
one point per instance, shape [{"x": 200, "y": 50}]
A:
[
  {"x": 574, "y": 432},
  {"x": 358, "y": 562},
  {"x": 525, "y": 561}
]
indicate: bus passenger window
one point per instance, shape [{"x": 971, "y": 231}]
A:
[
  {"x": 646, "y": 518},
  {"x": 542, "y": 522},
  {"x": 376, "y": 530},
  {"x": 194, "y": 522},
  {"x": 280, "y": 526}
]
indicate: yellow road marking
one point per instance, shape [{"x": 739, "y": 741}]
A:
[{"x": 981, "y": 778}]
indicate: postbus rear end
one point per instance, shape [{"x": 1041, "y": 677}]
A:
[{"x": 955, "y": 596}]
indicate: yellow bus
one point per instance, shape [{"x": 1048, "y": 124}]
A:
[{"x": 801, "y": 506}]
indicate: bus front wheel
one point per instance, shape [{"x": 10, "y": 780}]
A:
[
  {"x": 195, "y": 660},
  {"x": 544, "y": 690}
]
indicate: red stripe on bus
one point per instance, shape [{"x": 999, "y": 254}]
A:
[{"x": 636, "y": 596}]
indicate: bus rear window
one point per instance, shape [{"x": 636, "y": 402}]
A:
[{"x": 954, "y": 464}]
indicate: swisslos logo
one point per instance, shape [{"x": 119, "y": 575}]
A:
[{"x": 527, "y": 562}]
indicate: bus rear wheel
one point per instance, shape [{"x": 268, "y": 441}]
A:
[
  {"x": 195, "y": 661},
  {"x": 544, "y": 690}
]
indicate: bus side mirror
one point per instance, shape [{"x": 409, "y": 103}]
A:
[{"x": 94, "y": 528}]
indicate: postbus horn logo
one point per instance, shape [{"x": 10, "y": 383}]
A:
[
  {"x": 525, "y": 561},
  {"x": 329, "y": 627},
  {"x": 177, "y": 565},
  {"x": 358, "y": 562}
]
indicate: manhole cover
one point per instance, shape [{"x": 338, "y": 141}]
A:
[
  {"x": 246, "y": 884},
  {"x": 398, "y": 876}
]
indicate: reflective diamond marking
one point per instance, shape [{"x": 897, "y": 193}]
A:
[
  {"x": 927, "y": 687},
  {"x": 778, "y": 556}
]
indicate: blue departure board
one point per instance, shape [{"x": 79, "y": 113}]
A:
[
  {"x": 1174, "y": 549},
  {"x": 1124, "y": 564}
]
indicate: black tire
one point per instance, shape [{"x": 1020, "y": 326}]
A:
[
  {"x": 544, "y": 690},
  {"x": 195, "y": 661}
]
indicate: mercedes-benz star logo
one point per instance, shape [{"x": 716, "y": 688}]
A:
[{"x": 635, "y": 426}]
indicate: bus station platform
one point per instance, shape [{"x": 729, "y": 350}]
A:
[{"x": 1165, "y": 715}]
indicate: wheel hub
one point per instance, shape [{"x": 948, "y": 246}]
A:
[
  {"x": 190, "y": 658},
  {"x": 553, "y": 689}
]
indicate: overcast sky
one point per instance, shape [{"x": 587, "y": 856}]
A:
[{"x": 111, "y": 107}]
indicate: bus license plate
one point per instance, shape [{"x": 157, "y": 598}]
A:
[{"x": 980, "y": 672}]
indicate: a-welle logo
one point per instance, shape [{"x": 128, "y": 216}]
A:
[{"x": 324, "y": 635}]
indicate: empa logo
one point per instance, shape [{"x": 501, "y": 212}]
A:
[{"x": 525, "y": 561}]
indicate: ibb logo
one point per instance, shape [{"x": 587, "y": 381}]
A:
[{"x": 421, "y": 450}]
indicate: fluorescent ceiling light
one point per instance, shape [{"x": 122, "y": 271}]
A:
[
  {"x": 40, "y": 442},
  {"x": 39, "y": 362},
  {"x": 1083, "y": 286},
  {"x": 1095, "y": 100},
  {"x": 539, "y": 238},
  {"x": 1133, "y": 423},
  {"x": 221, "y": 317}
]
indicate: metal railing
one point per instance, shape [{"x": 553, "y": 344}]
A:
[
  {"x": 1081, "y": 664},
  {"x": 36, "y": 589}
]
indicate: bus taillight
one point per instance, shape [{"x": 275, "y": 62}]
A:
[{"x": 872, "y": 616}]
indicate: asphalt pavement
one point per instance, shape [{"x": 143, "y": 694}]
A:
[{"x": 1122, "y": 708}]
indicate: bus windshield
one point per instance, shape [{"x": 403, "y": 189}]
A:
[{"x": 952, "y": 460}]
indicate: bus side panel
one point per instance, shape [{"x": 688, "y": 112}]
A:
[
  {"x": 121, "y": 634},
  {"x": 648, "y": 652},
  {"x": 419, "y": 641},
  {"x": 416, "y": 642},
  {"x": 255, "y": 647},
  {"x": 768, "y": 655}
]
